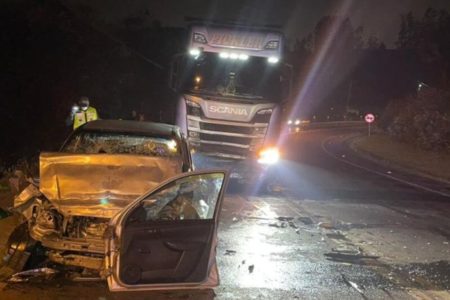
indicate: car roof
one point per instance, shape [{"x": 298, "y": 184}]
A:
[{"x": 124, "y": 126}]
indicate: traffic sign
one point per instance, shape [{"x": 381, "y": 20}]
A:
[{"x": 369, "y": 118}]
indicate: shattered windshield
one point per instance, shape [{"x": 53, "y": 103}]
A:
[
  {"x": 120, "y": 143},
  {"x": 253, "y": 78}
]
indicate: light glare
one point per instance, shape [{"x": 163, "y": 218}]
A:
[
  {"x": 194, "y": 52},
  {"x": 273, "y": 59},
  {"x": 243, "y": 56},
  {"x": 172, "y": 145},
  {"x": 269, "y": 156}
]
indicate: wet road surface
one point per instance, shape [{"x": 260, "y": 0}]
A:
[{"x": 334, "y": 231}]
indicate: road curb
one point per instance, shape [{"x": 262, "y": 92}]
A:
[
  {"x": 403, "y": 181},
  {"x": 387, "y": 163}
]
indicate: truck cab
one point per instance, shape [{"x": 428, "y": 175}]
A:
[{"x": 232, "y": 86}]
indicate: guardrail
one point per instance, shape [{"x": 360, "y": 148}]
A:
[{"x": 317, "y": 125}]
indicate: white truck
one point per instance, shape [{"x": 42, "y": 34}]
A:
[{"x": 232, "y": 86}]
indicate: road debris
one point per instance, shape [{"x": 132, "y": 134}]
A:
[
  {"x": 336, "y": 236},
  {"x": 305, "y": 220},
  {"x": 25, "y": 276},
  {"x": 326, "y": 225},
  {"x": 292, "y": 225},
  {"x": 352, "y": 284},
  {"x": 349, "y": 256},
  {"x": 278, "y": 225},
  {"x": 285, "y": 218},
  {"x": 230, "y": 252},
  {"x": 251, "y": 268},
  {"x": 14, "y": 243}
]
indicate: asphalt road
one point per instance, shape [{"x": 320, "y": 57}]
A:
[{"x": 333, "y": 231}]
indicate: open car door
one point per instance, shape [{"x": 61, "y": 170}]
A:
[{"x": 167, "y": 238}]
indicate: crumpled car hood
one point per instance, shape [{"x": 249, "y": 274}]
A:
[{"x": 100, "y": 185}]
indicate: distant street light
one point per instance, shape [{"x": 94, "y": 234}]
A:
[{"x": 421, "y": 85}]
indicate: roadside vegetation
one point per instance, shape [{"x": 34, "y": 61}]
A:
[
  {"x": 400, "y": 154},
  {"x": 414, "y": 129},
  {"x": 422, "y": 121},
  {"x": 414, "y": 133}
]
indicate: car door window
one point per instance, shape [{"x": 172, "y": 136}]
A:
[{"x": 189, "y": 198}]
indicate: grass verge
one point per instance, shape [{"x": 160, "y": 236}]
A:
[{"x": 383, "y": 147}]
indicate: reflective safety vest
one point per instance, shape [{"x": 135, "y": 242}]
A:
[{"x": 84, "y": 116}]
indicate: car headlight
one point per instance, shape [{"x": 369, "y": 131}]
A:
[{"x": 269, "y": 156}]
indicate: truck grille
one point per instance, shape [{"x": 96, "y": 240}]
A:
[
  {"x": 226, "y": 128},
  {"x": 225, "y": 138},
  {"x": 213, "y": 149}
]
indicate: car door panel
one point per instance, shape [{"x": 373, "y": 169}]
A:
[
  {"x": 168, "y": 237},
  {"x": 172, "y": 252}
]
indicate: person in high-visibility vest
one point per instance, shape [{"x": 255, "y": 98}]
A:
[{"x": 83, "y": 113}]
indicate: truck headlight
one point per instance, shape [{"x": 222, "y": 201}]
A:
[
  {"x": 194, "y": 52},
  {"x": 269, "y": 156},
  {"x": 273, "y": 59}
]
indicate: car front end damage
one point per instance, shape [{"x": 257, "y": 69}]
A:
[{"x": 68, "y": 213}]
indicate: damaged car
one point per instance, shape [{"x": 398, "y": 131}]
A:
[{"x": 120, "y": 201}]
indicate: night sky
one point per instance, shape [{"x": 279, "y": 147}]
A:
[{"x": 380, "y": 18}]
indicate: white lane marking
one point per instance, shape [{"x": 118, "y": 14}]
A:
[{"x": 380, "y": 173}]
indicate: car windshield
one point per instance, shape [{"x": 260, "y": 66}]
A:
[
  {"x": 121, "y": 143},
  {"x": 209, "y": 73}
]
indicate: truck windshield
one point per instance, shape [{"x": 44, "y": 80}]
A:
[{"x": 253, "y": 78}]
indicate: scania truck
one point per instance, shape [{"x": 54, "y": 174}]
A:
[{"x": 232, "y": 85}]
